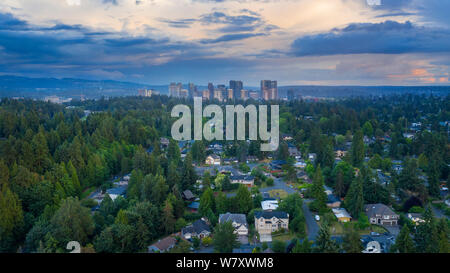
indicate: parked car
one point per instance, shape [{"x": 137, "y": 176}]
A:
[{"x": 317, "y": 217}]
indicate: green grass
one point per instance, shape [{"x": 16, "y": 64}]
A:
[
  {"x": 278, "y": 193},
  {"x": 284, "y": 236},
  {"x": 87, "y": 192}
]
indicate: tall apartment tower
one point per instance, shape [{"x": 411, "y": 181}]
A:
[
  {"x": 269, "y": 90},
  {"x": 211, "y": 90},
  {"x": 237, "y": 86},
  {"x": 175, "y": 89},
  {"x": 192, "y": 90}
]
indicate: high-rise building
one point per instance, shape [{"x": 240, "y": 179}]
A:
[
  {"x": 230, "y": 94},
  {"x": 145, "y": 92},
  {"x": 244, "y": 94},
  {"x": 205, "y": 94},
  {"x": 269, "y": 90},
  {"x": 237, "y": 86},
  {"x": 218, "y": 94},
  {"x": 175, "y": 89},
  {"x": 211, "y": 90},
  {"x": 192, "y": 90}
]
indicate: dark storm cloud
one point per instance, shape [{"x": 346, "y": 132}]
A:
[{"x": 389, "y": 37}]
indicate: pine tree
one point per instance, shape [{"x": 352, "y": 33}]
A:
[
  {"x": 351, "y": 241},
  {"x": 354, "y": 200},
  {"x": 324, "y": 244},
  {"x": 244, "y": 199},
  {"x": 318, "y": 191},
  {"x": 404, "y": 243},
  {"x": 206, "y": 201},
  {"x": 357, "y": 150},
  {"x": 427, "y": 237},
  {"x": 224, "y": 238},
  {"x": 168, "y": 219}
]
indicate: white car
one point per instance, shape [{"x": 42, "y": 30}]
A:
[{"x": 317, "y": 217}]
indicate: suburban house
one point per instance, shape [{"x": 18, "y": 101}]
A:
[
  {"x": 333, "y": 201},
  {"x": 417, "y": 218},
  {"x": 381, "y": 214},
  {"x": 230, "y": 160},
  {"x": 164, "y": 142},
  {"x": 247, "y": 180},
  {"x": 293, "y": 152},
  {"x": 239, "y": 222},
  {"x": 163, "y": 245},
  {"x": 116, "y": 192},
  {"x": 188, "y": 195},
  {"x": 342, "y": 215},
  {"x": 194, "y": 206},
  {"x": 267, "y": 222},
  {"x": 212, "y": 159},
  {"x": 252, "y": 158},
  {"x": 277, "y": 164},
  {"x": 269, "y": 205},
  {"x": 199, "y": 229}
]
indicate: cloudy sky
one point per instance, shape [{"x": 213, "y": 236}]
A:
[{"x": 318, "y": 42}]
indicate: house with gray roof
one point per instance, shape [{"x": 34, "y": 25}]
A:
[
  {"x": 380, "y": 214},
  {"x": 239, "y": 222},
  {"x": 199, "y": 229}
]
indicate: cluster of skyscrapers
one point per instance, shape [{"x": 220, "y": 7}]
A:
[{"x": 234, "y": 91}]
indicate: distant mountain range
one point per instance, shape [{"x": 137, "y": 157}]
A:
[{"x": 15, "y": 86}]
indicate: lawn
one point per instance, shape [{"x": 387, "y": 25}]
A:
[
  {"x": 87, "y": 192},
  {"x": 278, "y": 193},
  {"x": 284, "y": 236}
]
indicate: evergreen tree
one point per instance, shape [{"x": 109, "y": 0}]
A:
[
  {"x": 318, "y": 191},
  {"x": 351, "y": 241},
  {"x": 354, "y": 200},
  {"x": 404, "y": 242},
  {"x": 357, "y": 149},
  {"x": 206, "y": 201},
  {"x": 324, "y": 243},
  {"x": 244, "y": 199},
  {"x": 224, "y": 238}
]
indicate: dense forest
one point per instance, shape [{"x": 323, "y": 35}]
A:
[{"x": 53, "y": 156}]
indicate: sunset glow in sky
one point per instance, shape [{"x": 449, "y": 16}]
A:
[{"x": 318, "y": 42}]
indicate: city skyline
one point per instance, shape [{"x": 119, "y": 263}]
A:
[{"x": 297, "y": 42}]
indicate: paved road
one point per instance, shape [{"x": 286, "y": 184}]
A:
[
  {"x": 311, "y": 224},
  {"x": 278, "y": 184},
  {"x": 438, "y": 213}
]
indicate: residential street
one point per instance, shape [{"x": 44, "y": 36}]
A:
[{"x": 311, "y": 224}]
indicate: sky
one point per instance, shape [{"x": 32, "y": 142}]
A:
[{"x": 297, "y": 42}]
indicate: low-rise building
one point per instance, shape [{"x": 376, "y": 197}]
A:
[
  {"x": 163, "y": 245},
  {"x": 212, "y": 159},
  {"x": 342, "y": 215},
  {"x": 417, "y": 218},
  {"x": 247, "y": 180},
  {"x": 198, "y": 229},
  {"x": 239, "y": 222},
  {"x": 267, "y": 222},
  {"x": 381, "y": 214},
  {"x": 269, "y": 204}
]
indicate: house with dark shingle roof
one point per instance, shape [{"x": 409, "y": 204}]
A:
[
  {"x": 188, "y": 195},
  {"x": 199, "y": 229},
  {"x": 267, "y": 222},
  {"x": 239, "y": 222},
  {"x": 381, "y": 214}
]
